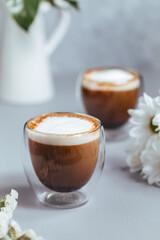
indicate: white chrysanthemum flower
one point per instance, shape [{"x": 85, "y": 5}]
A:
[
  {"x": 3, "y": 226},
  {"x": 142, "y": 125},
  {"x": 145, "y": 129},
  {"x": 16, "y": 227},
  {"x": 150, "y": 159}
]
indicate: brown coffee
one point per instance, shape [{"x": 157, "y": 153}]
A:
[
  {"x": 109, "y": 93},
  {"x": 64, "y": 149}
]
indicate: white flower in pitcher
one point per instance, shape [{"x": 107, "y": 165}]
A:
[
  {"x": 150, "y": 159},
  {"x": 61, "y": 3},
  {"x": 145, "y": 119}
]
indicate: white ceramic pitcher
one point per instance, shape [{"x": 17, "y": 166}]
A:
[{"x": 25, "y": 76}]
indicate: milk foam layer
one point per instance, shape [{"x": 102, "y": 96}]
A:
[
  {"x": 113, "y": 79},
  {"x": 115, "y": 76},
  {"x": 63, "y": 130},
  {"x": 64, "y": 125}
]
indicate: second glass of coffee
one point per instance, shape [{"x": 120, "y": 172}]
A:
[{"x": 107, "y": 94}]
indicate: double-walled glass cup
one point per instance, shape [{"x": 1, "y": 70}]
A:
[
  {"x": 108, "y": 93},
  {"x": 63, "y": 169}
]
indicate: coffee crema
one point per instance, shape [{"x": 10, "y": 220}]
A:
[
  {"x": 109, "y": 93},
  {"x": 64, "y": 149}
]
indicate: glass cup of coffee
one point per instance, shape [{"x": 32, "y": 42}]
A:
[
  {"x": 108, "y": 93},
  {"x": 64, "y": 157}
]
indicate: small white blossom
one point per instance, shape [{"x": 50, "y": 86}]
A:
[
  {"x": 8, "y": 226},
  {"x": 7, "y": 211},
  {"x": 16, "y": 227},
  {"x": 10, "y": 202},
  {"x": 3, "y": 226},
  {"x": 14, "y": 194},
  {"x": 32, "y": 235}
]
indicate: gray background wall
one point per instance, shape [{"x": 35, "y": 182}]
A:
[{"x": 112, "y": 32}]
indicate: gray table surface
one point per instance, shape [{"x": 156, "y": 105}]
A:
[{"x": 122, "y": 207}]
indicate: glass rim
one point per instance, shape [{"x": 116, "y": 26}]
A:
[{"x": 68, "y": 134}]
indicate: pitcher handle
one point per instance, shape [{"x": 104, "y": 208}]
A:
[{"x": 63, "y": 21}]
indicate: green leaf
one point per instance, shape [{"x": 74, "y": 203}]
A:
[
  {"x": 23, "y": 11},
  {"x": 73, "y": 3}
]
